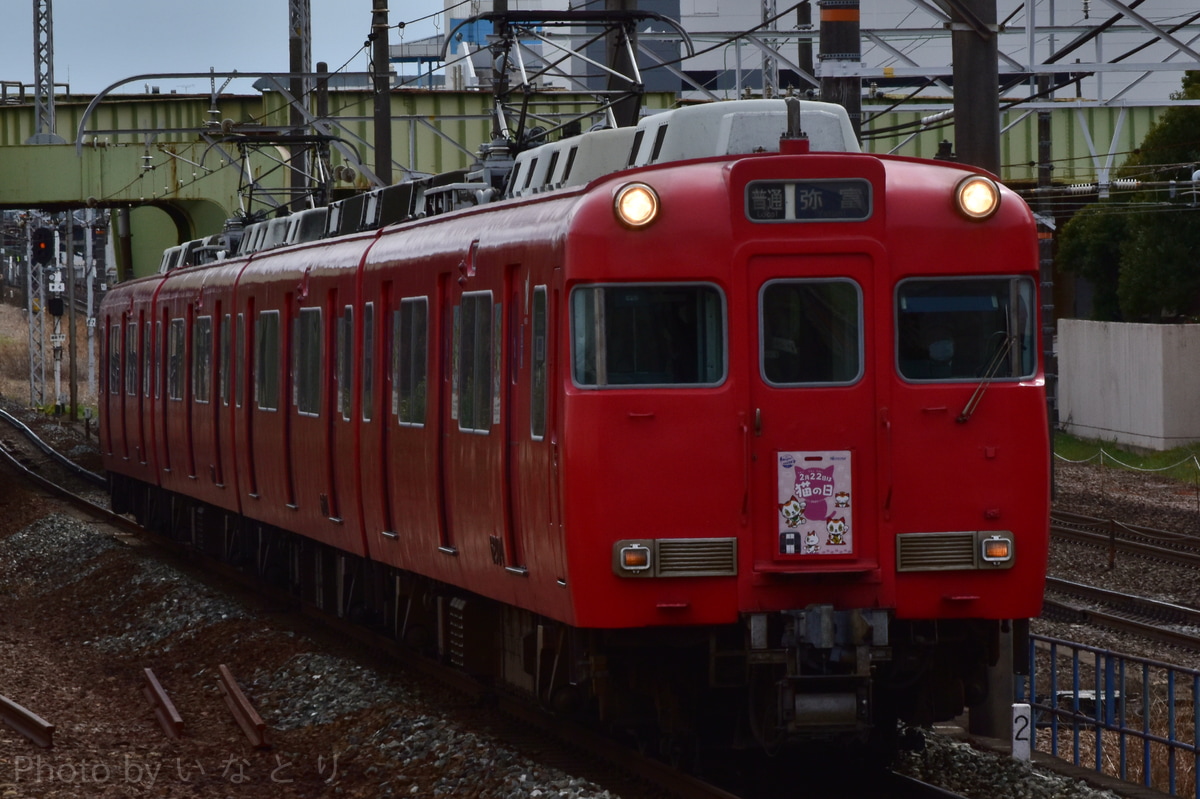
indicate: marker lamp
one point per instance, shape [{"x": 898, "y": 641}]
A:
[
  {"x": 635, "y": 558},
  {"x": 996, "y": 549}
]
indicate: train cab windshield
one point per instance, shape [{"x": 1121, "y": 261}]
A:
[
  {"x": 965, "y": 329},
  {"x": 648, "y": 335}
]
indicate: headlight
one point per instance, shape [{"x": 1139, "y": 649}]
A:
[
  {"x": 977, "y": 197},
  {"x": 636, "y": 205}
]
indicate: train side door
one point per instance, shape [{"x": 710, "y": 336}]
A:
[{"x": 811, "y": 424}]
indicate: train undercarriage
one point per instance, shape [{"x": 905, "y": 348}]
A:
[{"x": 805, "y": 676}]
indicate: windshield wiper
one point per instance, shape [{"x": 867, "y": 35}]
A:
[{"x": 989, "y": 373}]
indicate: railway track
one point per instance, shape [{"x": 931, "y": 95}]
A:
[
  {"x": 1124, "y": 612},
  {"x": 1146, "y": 542},
  {"x": 563, "y": 745}
]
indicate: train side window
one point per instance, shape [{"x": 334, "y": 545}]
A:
[
  {"x": 648, "y": 335},
  {"x": 226, "y": 358},
  {"x": 409, "y": 359},
  {"x": 368, "y": 361},
  {"x": 966, "y": 329},
  {"x": 114, "y": 358},
  {"x": 175, "y": 353},
  {"x": 810, "y": 332},
  {"x": 266, "y": 384},
  {"x": 474, "y": 360},
  {"x": 345, "y": 361},
  {"x": 131, "y": 358},
  {"x": 308, "y": 358},
  {"x": 202, "y": 351},
  {"x": 537, "y": 413}
]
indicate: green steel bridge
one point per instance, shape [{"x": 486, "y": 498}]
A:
[{"x": 177, "y": 166}]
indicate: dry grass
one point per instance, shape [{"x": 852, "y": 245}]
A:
[{"x": 14, "y": 357}]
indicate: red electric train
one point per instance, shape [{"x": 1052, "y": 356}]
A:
[{"x": 715, "y": 431}]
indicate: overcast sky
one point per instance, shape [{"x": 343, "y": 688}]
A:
[{"x": 99, "y": 43}]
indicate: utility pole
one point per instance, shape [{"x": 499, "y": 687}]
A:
[
  {"x": 383, "y": 92},
  {"x": 299, "y": 62},
  {"x": 841, "y": 53},
  {"x": 43, "y": 75},
  {"x": 977, "y": 142},
  {"x": 976, "y": 83},
  {"x": 770, "y": 64},
  {"x": 622, "y": 60}
]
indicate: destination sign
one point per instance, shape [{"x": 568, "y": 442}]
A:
[{"x": 832, "y": 200}]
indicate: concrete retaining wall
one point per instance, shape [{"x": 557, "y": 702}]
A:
[{"x": 1135, "y": 384}]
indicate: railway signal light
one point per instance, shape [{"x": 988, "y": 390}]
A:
[{"x": 43, "y": 246}]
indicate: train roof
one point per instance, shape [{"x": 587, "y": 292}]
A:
[{"x": 734, "y": 127}]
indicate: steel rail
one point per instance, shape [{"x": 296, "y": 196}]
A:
[
  {"x": 26, "y": 722},
  {"x": 1062, "y": 611},
  {"x": 1156, "y": 609},
  {"x": 96, "y": 479}
]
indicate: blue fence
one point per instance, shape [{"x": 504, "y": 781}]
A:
[{"x": 1130, "y": 717}]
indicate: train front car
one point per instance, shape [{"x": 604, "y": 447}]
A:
[{"x": 805, "y": 450}]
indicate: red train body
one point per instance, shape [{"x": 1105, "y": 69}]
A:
[{"x": 779, "y": 453}]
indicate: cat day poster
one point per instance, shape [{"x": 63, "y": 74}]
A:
[{"x": 815, "y": 503}]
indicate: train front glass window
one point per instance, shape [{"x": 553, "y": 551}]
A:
[
  {"x": 966, "y": 329},
  {"x": 810, "y": 332},
  {"x": 648, "y": 335}
]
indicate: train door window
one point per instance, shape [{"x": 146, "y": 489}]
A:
[
  {"x": 345, "y": 361},
  {"x": 537, "y": 414},
  {"x": 147, "y": 354},
  {"x": 409, "y": 371},
  {"x": 266, "y": 340},
  {"x": 131, "y": 358},
  {"x": 202, "y": 355},
  {"x": 158, "y": 337},
  {"x": 114, "y": 358},
  {"x": 239, "y": 358},
  {"x": 368, "y": 361},
  {"x": 810, "y": 332},
  {"x": 955, "y": 329},
  {"x": 474, "y": 360},
  {"x": 648, "y": 335},
  {"x": 307, "y": 360},
  {"x": 226, "y": 360},
  {"x": 175, "y": 353}
]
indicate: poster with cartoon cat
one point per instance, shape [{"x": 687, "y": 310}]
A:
[{"x": 815, "y": 501}]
